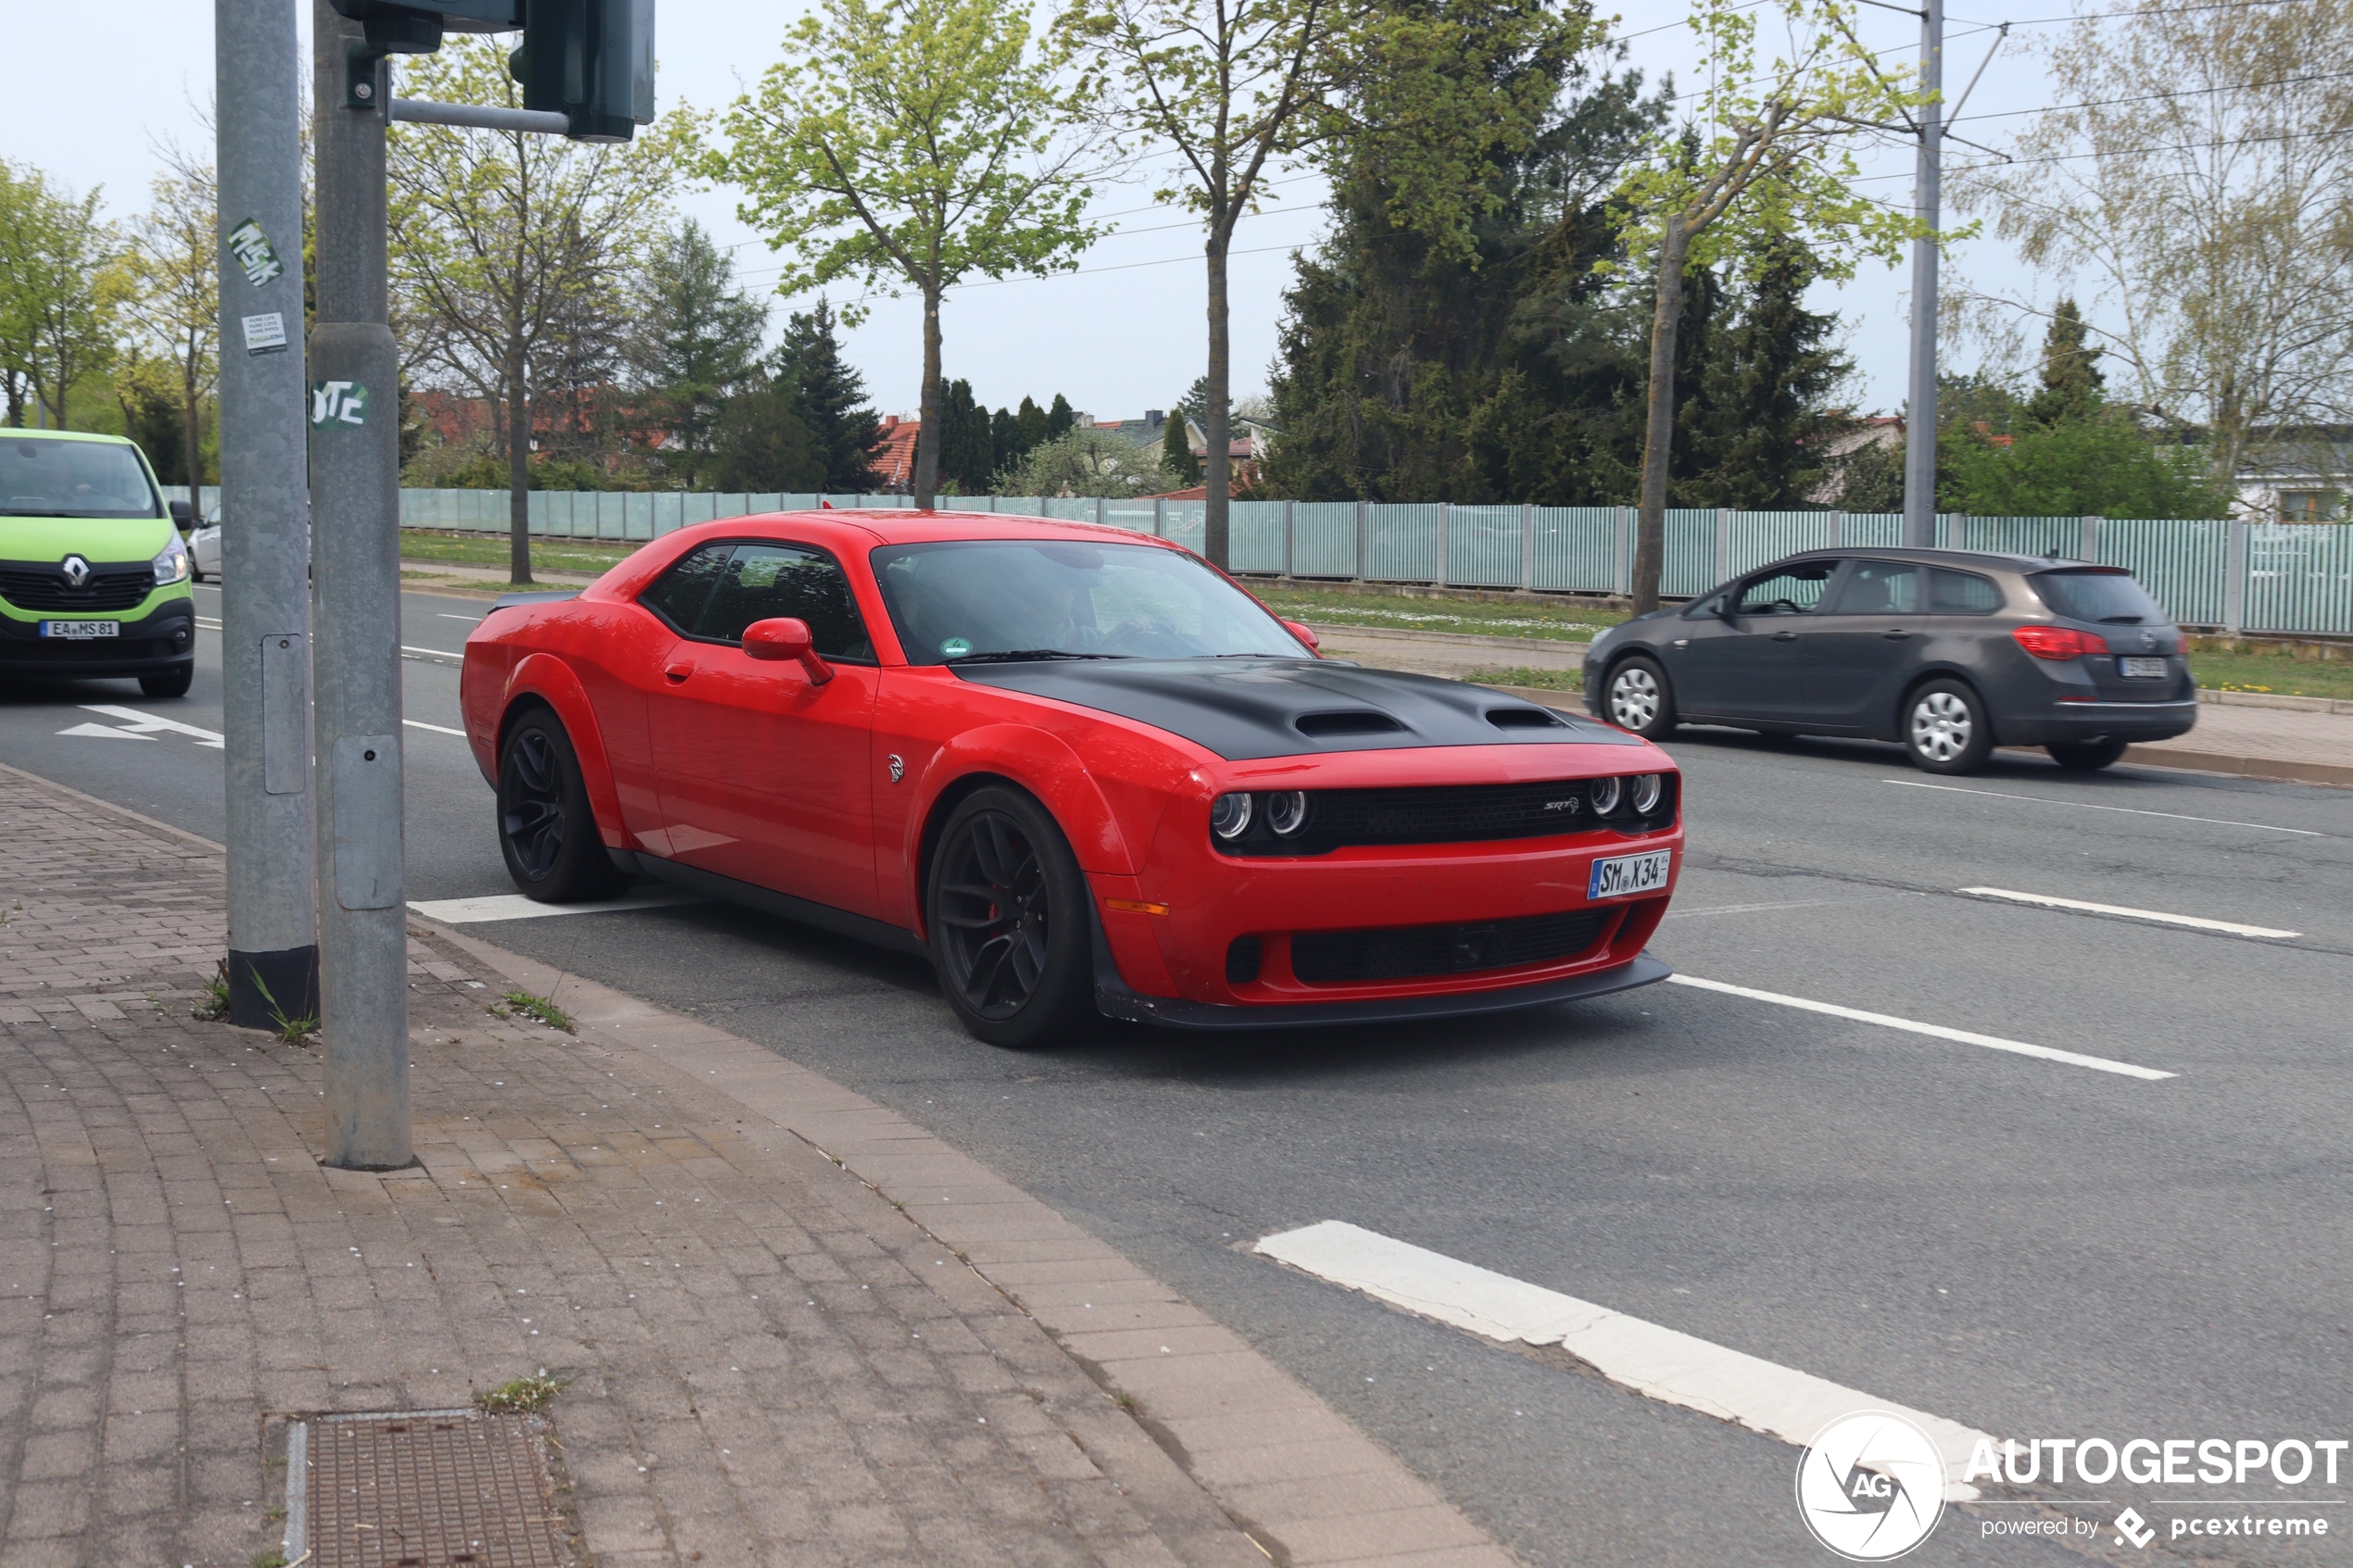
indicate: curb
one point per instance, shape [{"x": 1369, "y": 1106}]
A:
[
  {"x": 1303, "y": 1483},
  {"x": 1462, "y": 639}
]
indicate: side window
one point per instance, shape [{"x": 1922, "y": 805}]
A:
[
  {"x": 679, "y": 593},
  {"x": 1795, "y": 592},
  {"x": 1962, "y": 593},
  {"x": 762, "y": 581},
  {"x": 1879, "y": 588},
  {"x": 1707, "y": 609}
]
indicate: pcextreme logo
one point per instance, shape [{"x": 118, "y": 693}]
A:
[{"x": 1871, "y": 1486}]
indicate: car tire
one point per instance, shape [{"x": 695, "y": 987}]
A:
[
  {"x": 1010, "y": 920},
  {"x": 1945, "y": 728},
  {"x": 174, "y": 682},
  {"x": 547, "y": 829},
  {"x": 1637, "y": 698},
  {"x": 2086, "y": 755}
]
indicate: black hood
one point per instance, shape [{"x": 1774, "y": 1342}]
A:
[{"x": 1245, "y": 709}]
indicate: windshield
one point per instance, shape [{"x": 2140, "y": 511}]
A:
[
  {"x": 1007, "y": 598},
  {"x": 42, "y": 478},
  {"x": 2112, "y": 597}
]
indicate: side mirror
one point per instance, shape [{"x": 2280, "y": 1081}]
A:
[
  {"x": 785, "y": 637},
  {"x": 183, "y": 516},
  {"x": 1305, "y": 635}
]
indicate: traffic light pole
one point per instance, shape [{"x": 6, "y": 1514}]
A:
[
  {"x": 354, "y": 409},
  {"x": 1919, "y": 413},
  {"x": 265, "y": 595}
]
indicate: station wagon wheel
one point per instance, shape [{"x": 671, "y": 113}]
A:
[
  {"x": 1009, "y": 922},
  {"x": 1639, "y": 699},
  {"x": 1946, "y": 729},
  {"x": 547, "y": 830}
]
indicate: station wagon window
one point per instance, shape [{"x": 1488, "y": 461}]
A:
[
  {"x": 719, "y": 590},
  {"x": 1961, "y": 592},
  {"x": 1796, "y": 590},
  {"x": 1879, "y": 588}
]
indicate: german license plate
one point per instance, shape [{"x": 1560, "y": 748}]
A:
[
  {"x": 76, "y": 631},
  {"x": 2141, "y": 669},
  {"x": 1623, "y": 874}
]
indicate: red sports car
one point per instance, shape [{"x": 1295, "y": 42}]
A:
[{"x": 1081, "y": 769}]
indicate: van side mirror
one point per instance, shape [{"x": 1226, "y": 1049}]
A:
[
  {"x": 183, "y": 516},
  {"x": 787, "y": 637}
]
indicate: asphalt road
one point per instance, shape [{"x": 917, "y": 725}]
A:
[{"x": 2025, "y": 1246}]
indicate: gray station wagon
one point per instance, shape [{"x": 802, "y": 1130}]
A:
[{"x": 1950, "y": 652}]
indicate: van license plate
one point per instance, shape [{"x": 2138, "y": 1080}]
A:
[
  {"x": 78, "y": 629},
  {"x": 2141, "y": 669},
  {"x": 1624, "y": 874}
]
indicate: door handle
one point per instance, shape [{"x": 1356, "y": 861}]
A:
[
  {"x": 1681, "y": 643},
  {"x": 1784, "y": 636},
  {"x": 1895, "y": 633},
  {"x": 679, "y": 669}
]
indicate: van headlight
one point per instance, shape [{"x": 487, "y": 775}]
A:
[{"x": 171, "y": 563}]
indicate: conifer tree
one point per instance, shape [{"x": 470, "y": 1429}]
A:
[
  {"x": 830, "y": 399},
  {"x": 1176, "y": 449},
  {"x": 1061, "y": 418},
  {"x": 2072, "y": 386}
]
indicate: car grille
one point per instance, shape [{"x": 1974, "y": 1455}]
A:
[
  {"x": 1408, "y": 952},
  {"x": 30, "y": 586},
  {"x": 1449, "y": 814}
]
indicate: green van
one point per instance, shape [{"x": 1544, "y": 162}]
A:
[{"x": 94, "y": 578}]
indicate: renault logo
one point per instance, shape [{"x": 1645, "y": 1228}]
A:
[{"x": 77, "y": 570}]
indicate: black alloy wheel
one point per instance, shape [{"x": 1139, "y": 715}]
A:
[
  {"x": 2086, "y": 755},
  {"x": 1009, "y": 922},
  {"x": 546, "y": 827}
]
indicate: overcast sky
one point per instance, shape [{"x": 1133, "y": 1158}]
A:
[{"x": 85, "y": 94}]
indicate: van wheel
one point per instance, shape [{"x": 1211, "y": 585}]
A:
[
  {"x": 1009, "y": 916},
  {"x": 546, "y": 828},
  {"x": 2085, "y": 756},
  {"x": 1946, "y": 729},
  {"x": 174, "y": 682}
]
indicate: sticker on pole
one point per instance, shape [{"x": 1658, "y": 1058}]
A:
[
  {"x": 266, "y": 333},
  {"x": 250, "y": 245},
  {"x": 337, "y": 403}
]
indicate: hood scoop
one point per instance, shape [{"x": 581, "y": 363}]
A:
[{"x": 1346, "y": 722}]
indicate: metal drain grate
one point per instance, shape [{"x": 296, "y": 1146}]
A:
[{"x": 430, "y": 1489}]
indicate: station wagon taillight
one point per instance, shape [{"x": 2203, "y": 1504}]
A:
[{"x": 2058, "y": 642}]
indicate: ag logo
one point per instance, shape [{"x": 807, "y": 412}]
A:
[
  {"x": 338, "y": 402},
  {"x": 1871, "y": 1487}
]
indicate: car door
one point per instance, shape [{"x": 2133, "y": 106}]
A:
[
  {"x": 1744, "y": 663},
  {"x": 763, "y": 770},
  {"x": 1862, "y": 646}
]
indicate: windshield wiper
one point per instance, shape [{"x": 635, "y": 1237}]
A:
[{"x": 1017, "y": 656}]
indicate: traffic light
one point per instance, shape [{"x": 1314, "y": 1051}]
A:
[{"x": 592, "y": 61}]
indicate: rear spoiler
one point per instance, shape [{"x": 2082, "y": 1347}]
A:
[{"x": 508, "y": 601}]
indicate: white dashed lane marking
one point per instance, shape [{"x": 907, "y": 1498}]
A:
[
  {"x": 1935, "y": 1031},
  {"x": 2194, "y": 921},
  {"x": 1658, "y": 1363}
]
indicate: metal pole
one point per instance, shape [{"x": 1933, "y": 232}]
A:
[
  {"x": 355, "y": 488},
  {"x": 1919, "y": 414},
  {"x": 265, "y": 540}
]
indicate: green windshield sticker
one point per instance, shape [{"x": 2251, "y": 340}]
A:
[
  {"x": 955, "y": 648},
  {"x": 337, "y": 402},
  {"x": 250, "y": 245}
]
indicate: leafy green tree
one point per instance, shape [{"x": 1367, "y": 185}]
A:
[
  {"x": 1768, "y": 154},
  {"x": 511, "y": 252},
  {"x": 2072, "y": 386},
  {"x": 830, "y": 398},
  {"x": 2105, "y": 466},
  {"x": 760, "y": 443},
  {"x": 60, "y": 287},
  {"x": 171, "y": 301},
  {"x": 1176, "y": 451},
  {"x": 913, "y": 145},
  {"x": 1231, "y": 91},
  {"x": 1088, "y": 462},
  {"x": 696, "y": 341}
]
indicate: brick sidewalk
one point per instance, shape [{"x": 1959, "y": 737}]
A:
[{"x": 767, "y": 1361}]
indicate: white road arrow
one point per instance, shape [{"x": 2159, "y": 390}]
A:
[{"x": 144, "y": 725}]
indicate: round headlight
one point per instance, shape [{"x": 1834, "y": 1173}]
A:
[
  {"x": 1229, "y": 816},
  {"x": 1648, "y": 787},
  {"x": 1287, "y": 812},
  {"x": 1606, "y": 794}
]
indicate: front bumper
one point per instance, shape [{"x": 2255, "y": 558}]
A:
[
  {"x": 2063, "y": 723},
  {"x": 162, "y": 639}
]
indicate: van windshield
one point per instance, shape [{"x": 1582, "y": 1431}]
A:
[
  {"x": 52, "y": 478},
  {"x": 2110, "y": 597}
]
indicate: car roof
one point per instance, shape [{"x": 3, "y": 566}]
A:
[
  {"x": 904, "y": 526},
  {"x": 19, "y": 435},
  {"x": 1981, "y": 559}
]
